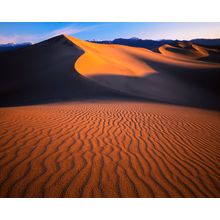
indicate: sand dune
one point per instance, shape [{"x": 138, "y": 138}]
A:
[
  {"x": 181, "y": 52},
  {"x": 190, "y": 51},
  {"x": 109, "y": 149},
  {"x": 96, "y": 145}
]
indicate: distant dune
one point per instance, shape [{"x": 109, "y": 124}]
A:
[
  {"x": 183, "y": 51},
  {"x": 189, "y": 51},
  {"x": 81, "y": 119}
]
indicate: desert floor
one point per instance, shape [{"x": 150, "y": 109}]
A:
[{"x": 109, "y": 149}]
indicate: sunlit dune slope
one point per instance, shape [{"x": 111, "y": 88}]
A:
[
  {"x": 123, "y": 60},
  {"x": 109, "y": 59},
  {"x": 151, "y": 75}
]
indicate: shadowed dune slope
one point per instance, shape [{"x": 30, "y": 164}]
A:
[
  {"x": 178, "y": 79},
  {"x": 109, "y": 149}
]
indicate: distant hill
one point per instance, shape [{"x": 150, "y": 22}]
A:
[
  {"x": 136, "y": 42},
  {"x": 12, "y": 46},
  {"x": 154, "y": 44},
  {"x": 207, "y": 42}
]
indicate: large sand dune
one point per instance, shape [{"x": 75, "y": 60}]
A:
[
  {"x": 117, "y": 137},
  {"x": 109, "y": 149},
  {"x": 44, "y": 73}
]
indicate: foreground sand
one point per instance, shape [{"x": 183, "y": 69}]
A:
[{"x": 109, "y": 149}]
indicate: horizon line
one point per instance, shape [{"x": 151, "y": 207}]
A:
[{"x": 94, "y": 40}]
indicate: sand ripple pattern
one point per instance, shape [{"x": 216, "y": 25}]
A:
[{"x": 104, "y": 149}]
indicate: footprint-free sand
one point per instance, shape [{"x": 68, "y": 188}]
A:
[{"x": 109, "y": 149}]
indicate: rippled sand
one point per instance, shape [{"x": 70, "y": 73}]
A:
[{"x": 109, "y": 149}]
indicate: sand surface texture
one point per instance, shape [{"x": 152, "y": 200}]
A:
[{"x": 105, "y": 149}]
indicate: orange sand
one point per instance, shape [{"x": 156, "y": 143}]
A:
[
  {"x": 187, "y": 51},
  {"x": 109, "y": 149}
]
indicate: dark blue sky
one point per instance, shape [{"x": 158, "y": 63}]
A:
[{"x": 35, "y": 32}]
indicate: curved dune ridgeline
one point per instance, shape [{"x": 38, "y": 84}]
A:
[
  {"x": 190, "y": 51},
  {"x": 109, "y": 120},
  {"x": 109, "y": 149},
  {"x": 183, "y": 52}
]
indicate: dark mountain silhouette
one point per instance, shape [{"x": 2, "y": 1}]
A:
[
  {"x": 207, "y": 42},
  {"x": 12, "y": 46},
  {"x": 154, "y": 44},
  {"x": 136, "y": 42}
]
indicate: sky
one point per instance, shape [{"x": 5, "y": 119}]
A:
[{"x": 19, "y": 32}]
